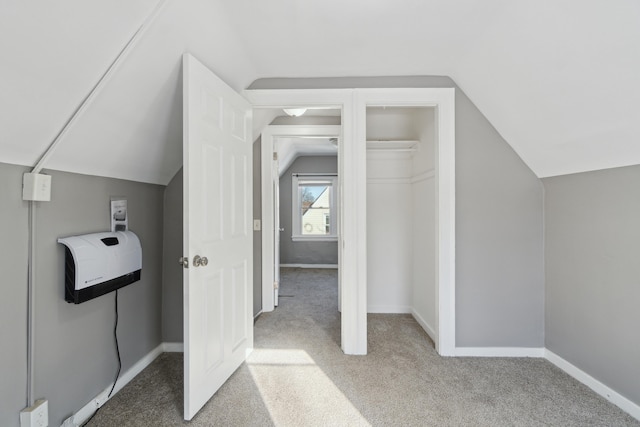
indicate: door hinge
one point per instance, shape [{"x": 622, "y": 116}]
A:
[
  {"x": 275, "y": 156},
  {"x": 275, "y": 285}
]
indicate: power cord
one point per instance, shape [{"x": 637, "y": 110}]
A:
[{"x": 115, "y": 336}]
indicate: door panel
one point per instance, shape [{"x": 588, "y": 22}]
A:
[
  {"x": 211, "y": 219},
  {"x": 218, "y": 294},
  {"x": 211, "y": 334},
  {"x": 240, "y": 278},
  {"x": 239, "y": 196}
]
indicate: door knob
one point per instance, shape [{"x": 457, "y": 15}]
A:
[{"x": 199, "y": 261}]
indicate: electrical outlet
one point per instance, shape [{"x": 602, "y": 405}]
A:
[{"x": 36, "y": 415}]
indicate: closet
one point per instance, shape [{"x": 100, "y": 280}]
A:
[{"x": 401, "y": 212}]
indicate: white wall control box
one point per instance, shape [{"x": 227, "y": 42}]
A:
[
  {"x": 36, "y": 415},
  {"x": 37, "y": 187}
]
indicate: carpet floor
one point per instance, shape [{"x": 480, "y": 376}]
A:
[{"x": 298, "y": 376}]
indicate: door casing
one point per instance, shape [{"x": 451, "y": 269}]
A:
[
  {"x": 269, "y": 175},
  {"x": 353, "y": 184}
]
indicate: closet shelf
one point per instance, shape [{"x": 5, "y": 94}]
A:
[{"x": 393, "y": 145}]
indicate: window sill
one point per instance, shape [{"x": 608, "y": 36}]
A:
[{"x": 314, "y": 239}]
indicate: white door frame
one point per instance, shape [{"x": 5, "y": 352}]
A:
[
  {"x": 353, "y": 182},
  {"x": 269, "y": 175}
]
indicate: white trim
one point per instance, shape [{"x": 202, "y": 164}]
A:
[
  {"x": 87, "y": 410},
  {"x": 499, "y": 352},
  {"x": 333, "y": 266},
  {"x": 173, "y": 347},
  {"x": 427, "y": 328},
  {"x": 603, "y": 390},
  {"x": 389, "y": 309},
  {"x": 352, "y": 169},
  {"x": 352, "y": 166}
]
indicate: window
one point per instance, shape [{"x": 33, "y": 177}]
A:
[{"x": 315, "y": 213}]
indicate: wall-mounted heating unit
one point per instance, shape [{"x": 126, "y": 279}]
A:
[{"x": 98, "y": 263}]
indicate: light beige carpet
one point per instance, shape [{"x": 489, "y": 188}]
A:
[{"x": 298, "y": 376}]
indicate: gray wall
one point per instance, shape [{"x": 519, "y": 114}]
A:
[
  {"x": 499, "y": 238},
  {"x": 593, "y": 274},
  {"x": 499, "y": 223},
  {"x": 75, "y": 356},
  {"x": 172, "y": 297},
  {"x": 304, "y": 252},
  {"x": 13, "y": 303}
]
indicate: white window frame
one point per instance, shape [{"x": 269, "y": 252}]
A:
[{"x": 296, "y": 217}]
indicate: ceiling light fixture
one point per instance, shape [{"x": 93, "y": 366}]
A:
[{"x": 294, "y": 112}]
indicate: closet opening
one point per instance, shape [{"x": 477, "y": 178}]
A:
[{"x": 401, "y": 213}]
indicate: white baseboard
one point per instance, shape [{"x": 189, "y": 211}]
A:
[
  {"x": 499, "y": 351},
  {"x": 173, "y": 347},
  {"x": 388, "y": 309},
  {"x": 87, "y": 410},
  {"x": 333, "y": 266},
  {"x": 595, "y": 385},
  {"x": 427, "y": 328}
]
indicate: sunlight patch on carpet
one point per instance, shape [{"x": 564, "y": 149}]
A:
[{"x": 288, "y": 379}]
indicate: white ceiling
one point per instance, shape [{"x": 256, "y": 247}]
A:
[
  {"x": 558, "y": 79},
  {"x": 55, "y": 52},
  {"x": 289, "y": 149}
]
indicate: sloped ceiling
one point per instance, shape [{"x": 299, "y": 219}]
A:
[
  {"x": 55, "y": 53},
  {"x": 289, "y": 149},
  {"x": 557, "y": 79}
]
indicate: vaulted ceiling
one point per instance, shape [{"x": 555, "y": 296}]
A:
[{"x": 558, "y": 79}]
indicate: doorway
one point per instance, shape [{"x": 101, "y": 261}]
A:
[
  {"x": 353, "y": 171},
  {"x": 284, "y": 147}
]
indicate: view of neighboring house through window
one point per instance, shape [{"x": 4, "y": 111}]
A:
[{"x": 315, "y": 207}]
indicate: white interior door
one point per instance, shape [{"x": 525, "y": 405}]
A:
[
  {"x": 218, "y": 327},
  {"x": 276, "y": 233}
]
